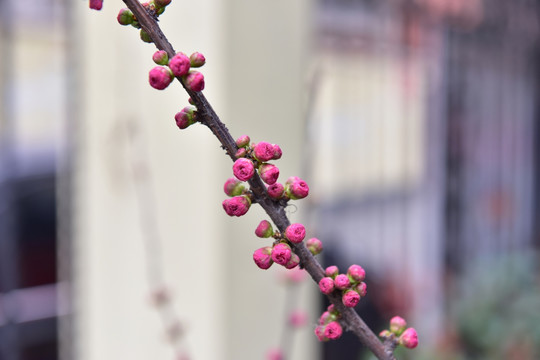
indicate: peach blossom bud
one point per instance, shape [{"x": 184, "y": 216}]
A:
[
  {"x": 333, "y": 330},
  {"x": 243, "y": 169},
  {"x": 162, "y": 3},
  {"x": 186, "y": 117},
  {"x": 237, "y": 206},
  {"x": 243, "y": 141},
  {"x": 263, "y": 257},
  {"x": 277, "y": 152},
  {"x": 397, "y": 325},
  {"x": 350, "y": 298},
  {"x": 275, "y": 191},
  {"x": 197, "y": 59},
  {"x": 314, "y": 245},
  {"x": 325, "y": 318},
  {"x": 160, "y": 77},
  {"x": 361, "y": 289},
  {"x": 269, "y": 173},
  {"x": 295, "y": 233},
  {"x": 409, "y": 338},
  {"x": 190, "y": 100},
  {"x": 385, "y": 334},
  {"x": 125, "y": 17},
  {"x": 240, "y": 153},
  {"x": 291, "y": 264},
  {"x": 326, "y": 285},
  {"x": 160, "y": 57},
  {"x": 145, "y": 36},
  {"x": 264, "y": 230},
  {"x": 332, "y": 271},
  {"x": 179, "y": 64},
  {"x": 96, "y": 4},
  {"x": 281, "y": 253},
  {"x": 263, "y": 151},
  {"x": 296, "y": 189},
  {"x": 298, "y": 318},
  {"x": 233, "y": 187},
  {"x": 195, "y": 81},
  {"x": 356, "y": 273},
  {"x": 319, "y": 332},
  {"x": 342, "y": 282}
]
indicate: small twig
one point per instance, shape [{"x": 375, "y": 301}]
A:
[{"x": 208, "y": 117}]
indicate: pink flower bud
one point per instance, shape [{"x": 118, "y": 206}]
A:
[
  {"x": 296, "y": 189},
  {"x": 269, "y": 173},
  {"x": 96, "y": 4},
  {"x": 295, "y": 233},
  {"x": 243, "y": 169},
  {"x": 291, "y": 264},
  {"x": 298, "y": 318},
  {"x": 197, "y": 59},
  {"x": 162, "y": 3},
  {"x": 326, "y": 285},
  {"x": 274, "y": 354},
  {"x": 332, "y": 271},
  {"x": 342, "y": 282},
  {"x": 356, "y": 273},
  {"x": 361, "y": 289},
  {"x": 333, "y": 330},
  {"x": 236, "y": 206},
  {"x": 325, "y": 318},
  {"x": 145, "y": 36},
  {"x": 125, "y": 17},
  {"x": 385, "y": 334},
  {"x": 275, "y": 191},
  {"x": 263, "y": 257},
  {"x": 397, "y": 325},
  {"x": 264, "y": 230},
  {"x": 160, "y": 57},
  {"x": 160, "y": 77},
  {"x": 185, "y": 117},
  {"x": 277, "y": 152},
  {"x": 179, "y": 64},
  {"x": 350, "y": 298},
  {"x": 281, "y": 253},
  {"x": 240, "y": 153},
  {"x": 332, "y": 308},
  {"x": 263, "y": 151},
  {"x": 233, "y": 187},
  {"x": 243, "y": 141},
  {"x": 409, "y": 338},
  {"x": 314, "y": 245},
  {"x": 195, "y": 81},
  {"x": 319, "y": 332}
]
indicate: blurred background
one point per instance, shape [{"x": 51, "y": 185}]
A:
[{"x": 415, "y": 123}]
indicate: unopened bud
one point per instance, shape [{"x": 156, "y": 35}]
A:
[
  {"x": 195, "y": 81},
  {"x": 179, "y": 64},
  {"x": 145, "y": 36},
  {"x": 243, "y": 141},
  {"x": 125, "y": 17},
  {"x": 281, "y": 253},
  {"x": 243, "y": 169},
  {"x": 295, "y": 233},
  {"x": 263, "y": 257},
  {"x": 356, "y": 273},
  {"x": 276, "y": 190},
  {"x": 264, "y": 229},
  {"x": 237, "y": 206},
  {"x": 350, "y": 298},
  {"x": 233, "y": 187},
  {"x": 326, "y": 285},
  {"x": 333, "y": 330},
  {"x": 397, "y": 325},
  {"x": 314, "y": 245},
  {"x": 185, "y": 117},
  {"x": 332, "y": 271},
  {"x": 240, "y": 153},
  {"x": 160, "y": 77},
  {"x": 361, "y": 289},
  {"x": 197, "y": 59},
  {"x": 291, "y": 264},
  {"x": 160, "y": 57},
  {"x": 263, "y": 151},
  {"x": 409, "y": 338},
  {"x": 269, "y": 173},
  {"x": 342, "y": 282}
]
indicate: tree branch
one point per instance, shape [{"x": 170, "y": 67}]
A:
[{"x": 208, "y": 117}]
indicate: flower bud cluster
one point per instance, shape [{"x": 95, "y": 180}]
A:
[
  {"x": 351, "y": 285},
  {"x": 400, "y": 334},
  {"x": 178, "y": 66},
  {"x": 329, "y": 327}
]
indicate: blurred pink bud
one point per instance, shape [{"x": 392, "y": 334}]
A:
[
  {"x": 274, "y": 354},
  {"x": 342, "y": 282},
  {"x": 160, "y": 296},
  {"x": 263, "y": 151},
  {"x": 269, "y": 173},
  {"x": 195, "y": 81},
  {"x": 409, "y": 338},
  {"x": 298, "y": 318},
  {"x": 319, "y": 332},
  {"x": 296, "y": 275},
  {"x": 240, "y": 153},
  {"x": 277, "y": 152},
  {"x": 326, "y": 285},
  {"x": 333, "y": 330},
  {"x": 326, "y": 317},
  {"x": 243, "y": 141},
  {"x": 350, "y": 298},
  {"x": 96, "y": 4},
  {"x": 160, "y": 57},
  {"x": 281, "y": 253},
  {"x": 179, "y": 64},
  {"x": 160, "y": 77},
  {"x": 397, "y": 325},
  {"x": 237, "y": 206},
  {"x": 361, "y": 289},
  {"x": 314, "y": 245},
  {"x": 197, "y": 59},
  {"x": 233, "y": 187},
  {"x": 125, "y": 17},
  {"x": 356, "y": 273},
  {"x": 275, "y": 191},
  {"x": 332, "y": 271},
  {"x": 185, "y": 117},
  {"x": 263, "y": 257},
  {"x": 264, "y": 229},
  {"x": 243, "y": 169},
  {"x": 291, "y": 264},
  {"x": 295, "y": 233}
]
